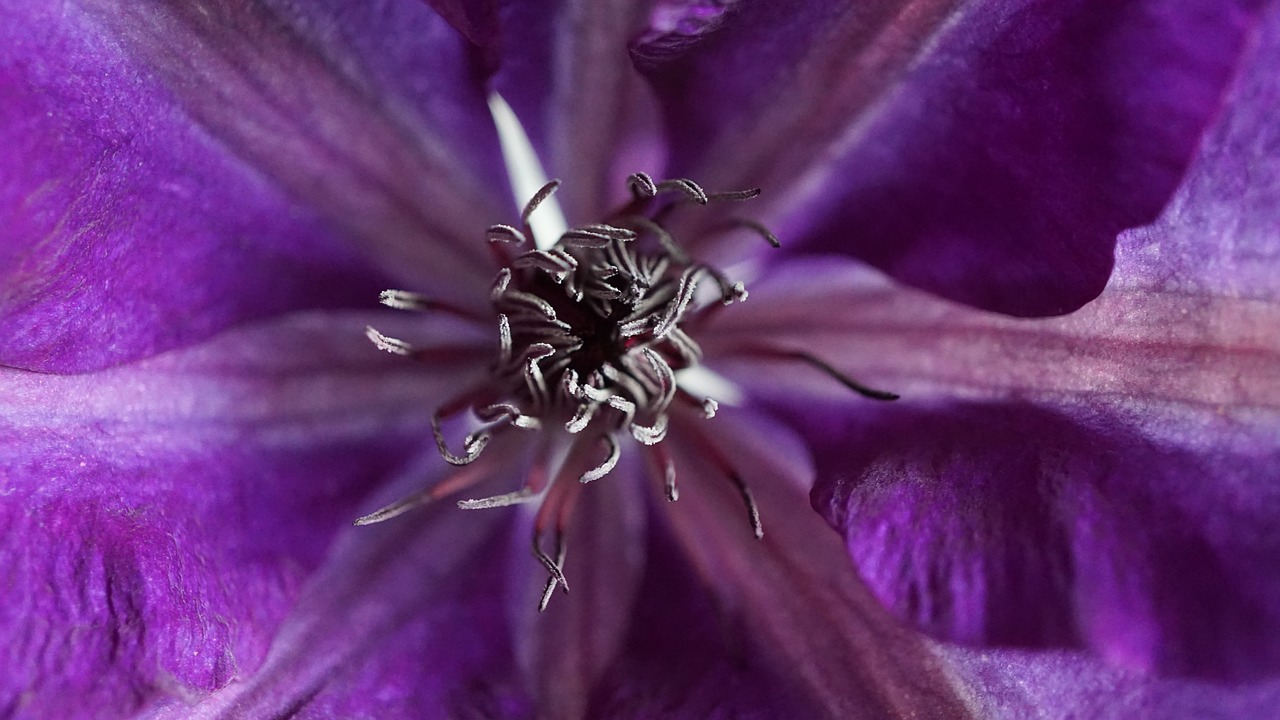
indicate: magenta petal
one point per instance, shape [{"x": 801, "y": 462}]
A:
[
  {"x": 151, "y": 196},
  {"x": 1013, "y": 525},
  {"x": 159, "y": 519},
  {"x": 987, "y": 152}
]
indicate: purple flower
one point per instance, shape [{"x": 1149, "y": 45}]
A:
[{"x": 200, "y": 202}]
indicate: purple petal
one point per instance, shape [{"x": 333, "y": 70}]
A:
[
  {"x": 689, "y": 655},
  {"x": 477, "y": 20},
  {"x": 1221, "y": 232},
  {"x": 564, "y": 650},
  {"x": 812, "y": 622},
  {"x": 987, "y": 152},
  {"x": 152, "y": 195},
  {"x": 1111, "y": 487},
  {"x": 566, "y": 72},
  {"x": 1064, "y": 686},
  {"x": 160, "y": 518},
  {"x": 406, "y": 619},
  {"x": 1012, "y": 525}
]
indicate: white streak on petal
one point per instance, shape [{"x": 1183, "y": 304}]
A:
[
  {"x": 701, "y": 381},
  {"x": 526, "y": 173}
]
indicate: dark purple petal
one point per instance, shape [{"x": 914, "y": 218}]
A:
[
  {"x": 1011, "y": 525},
  {"x": 477, "y": 20},
  {"x": 987, "y": 152},
  {"x": 173, "y": 168},
  {"x": 1111, "y": 486},
  {"x": 564, "y": 650},
  {"x": 812, "y": 622},
  {"x": 689, "y": 654},
  {"x": 159, "y": 518},
  {"x": 566, "y": 73}
]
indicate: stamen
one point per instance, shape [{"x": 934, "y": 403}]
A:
[
  {"x": 553, "y": 567},
  {"x": 709, "y": 407},
  {"x": 589, "y": 326},
  {"x": 735, "y": 195},
  {"x": 609, "y": 463},
  {"x": 460, "y": 479},
  {"x": 500, "y": 283},
  {"x": 389, "y": 344},
  {"x": 760, "y": 229},
  {"x": 843, "y": 379},
  {"x": 472, "y": 446},
  {"x": 753, "y": 511},
  {"x": 650, "y": 434},
  {"x": 641, "y": 185},
  {"x": 658, "y": 456},
  {"x": 504, "y": 339},
  {"x": 691, "y": 189},
  {"x": 664, "y": 238},
  {"x": 557, "y": 576},
  {"x": 543, "y": 193},
  {"x": 519, "y": 497},
  {"x": 506, "y": 412},
  {"x": 505, "y": 234}
]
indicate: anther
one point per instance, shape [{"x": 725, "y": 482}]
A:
[
  {"x": 518, "y": 497},
  {"x": 641, "y": 185},
  {"x": 472, "y": 446},
  {"x": 505, "y": 234},
  {"x": 735, "y": 195},
  {"x": 389, "y": 344},
  {"x": 759, "y": 228},
  {"x": 542, "y": 194},
  {"x": 609, "y": 463},
  {"x": 690, "y": 189}
]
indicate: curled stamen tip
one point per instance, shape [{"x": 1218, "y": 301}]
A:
[
  {"x": 642, "y": 185},
  {"x": 389, "y": 344},
  {"x": 504, "y": 234},
  {"x": 672, "y": 494}
]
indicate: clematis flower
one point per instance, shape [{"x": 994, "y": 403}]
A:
[{"x": 201, "y": 202}]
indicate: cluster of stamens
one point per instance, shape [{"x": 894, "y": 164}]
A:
[{"x": 590, "y": 338}]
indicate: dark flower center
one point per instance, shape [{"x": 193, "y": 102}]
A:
[{"x": 590, "y": 337}]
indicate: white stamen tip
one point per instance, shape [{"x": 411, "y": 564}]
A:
[{"x": 389, "y": 344}]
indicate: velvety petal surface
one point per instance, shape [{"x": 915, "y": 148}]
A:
[
  {"x": 405, "y": 619},
  {"x": 159, "y": 519},
  {"x": 809, "y": 621},
  {"x": 173, "y": 168},
  {"x": 1105, "y": 479},
  {"x": 1053, "y": 686},
  {"x": 566, "y": 72},
  {"x": 988, "y": 152}
]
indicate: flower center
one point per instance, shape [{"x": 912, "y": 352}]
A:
[{"x": 591, "y": 336}]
